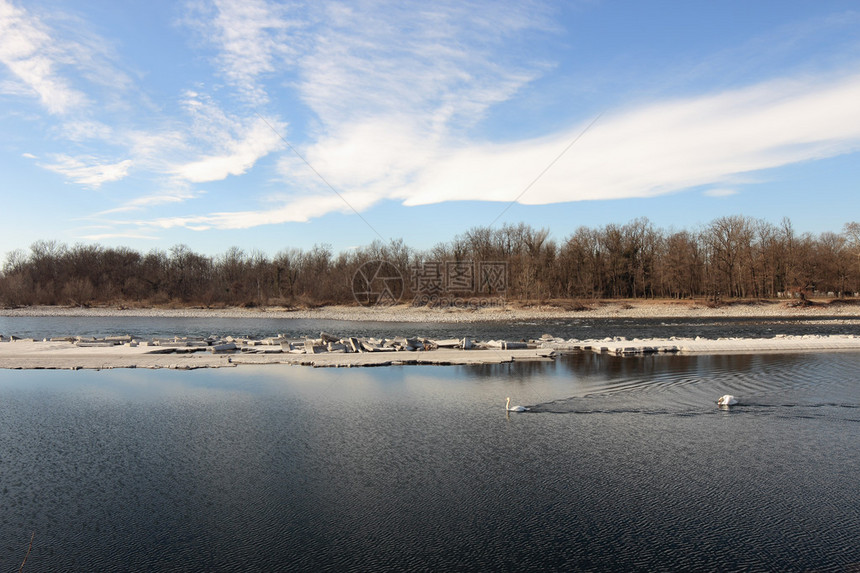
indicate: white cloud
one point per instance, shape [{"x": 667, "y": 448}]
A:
[
  {"x": 299, "y": 210},
  {"x": 397, "y": 92},
  {"x": 166, "y": 197},
  {"x": 88, "y": 171},
  {"x": 155, "y": 148},
  {"x": 389, "y": 84},
  {"x": 83, "y": 130},
  {"x": 444, "y": 64},
  {"x": 27, "y": 49},
  {"x": 660, "y": 148},
  {"x": 106, "y": 236},
  {"x": 441, "y": 62},
  {"x": 233, "y": 144},
  {"x": 251, "y": 37},
  {"x": 720, "y": 192},
  {"x": 15, "y": 87},
  {"x": 642, "y": 152}
]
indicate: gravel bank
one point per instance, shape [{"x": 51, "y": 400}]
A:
[{"x": 402, "y": 313}]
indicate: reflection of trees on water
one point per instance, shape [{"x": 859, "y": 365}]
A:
[
  {"x": 511, "y": 371},
  {"x": 587, "y": 364}
]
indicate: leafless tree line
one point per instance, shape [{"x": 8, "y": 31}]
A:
[{"x": 732, "y": 257}]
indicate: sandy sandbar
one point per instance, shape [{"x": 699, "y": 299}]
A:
[
  {"x": 67, "y": 354},
  {"x": 81, "y": 354}
]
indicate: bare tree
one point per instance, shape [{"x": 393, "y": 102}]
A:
[
  {"x": 852, "y": 234},
  {"x": 730, "y": 242},
  {"x": 287, "y": 264},
  {"x": 735, "y": 256},
  {"x": 834, "y": 263},
  {"x": 682, "y": 265}
]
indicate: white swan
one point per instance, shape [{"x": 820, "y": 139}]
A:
[
  {"x": 727, "y": 400},
  {"x": 510, "y": 408}
]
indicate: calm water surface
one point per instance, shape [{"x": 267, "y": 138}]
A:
[{"x": 622, "y": 464}]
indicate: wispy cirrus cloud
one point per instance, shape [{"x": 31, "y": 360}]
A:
[
  {"x": 297, "y": 211},
  {"x": 720, "y": 192},
  {"x": 31, "y": 55},
  {"x": 56, "y": 57},
  {"x": 644, "y": 151},
  {"x": 441, "y": 64},
  {"x": 391, "y": 86},
  {"x": 388, "y": 102},
  {"x": 393, "y": 122},
  {"x": 109, "y": 236},
  {"x": 172, "y": 195},
  {"x": 46, "y": 64},
  {"x": 79, "y": 130},
  {"x": 44, "y": 61},
  {"x": 251, "y": 38},
  {"x": 88, "y": 171},
  {"x": 662, "y": 147},
  {"x": 233, "y": 144}
]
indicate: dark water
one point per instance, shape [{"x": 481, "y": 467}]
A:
[
  {"x": 42, "y": 327},
  {"x": 623, "y": 464}
]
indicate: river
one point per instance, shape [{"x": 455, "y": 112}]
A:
[
  {"x": 143, "y": 327},
  {"x": 621, "y": 464}
]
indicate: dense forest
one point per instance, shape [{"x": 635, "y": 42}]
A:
[{"x": 734, "y": 257}]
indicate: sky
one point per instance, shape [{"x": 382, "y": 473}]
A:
[{"x": 269, "y": 125}]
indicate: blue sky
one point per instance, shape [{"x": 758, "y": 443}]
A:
[{"x": 267, "y": 125}]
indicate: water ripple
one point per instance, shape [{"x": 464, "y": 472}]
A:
[{"x": 418, "y": 469}]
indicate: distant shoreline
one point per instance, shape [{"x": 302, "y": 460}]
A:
[
  {"x": 644, "y": 309},
  {"x": 182, "y": 354}
]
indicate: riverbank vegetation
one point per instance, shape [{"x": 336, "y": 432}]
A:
[{"x": 734, "y": 257}]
